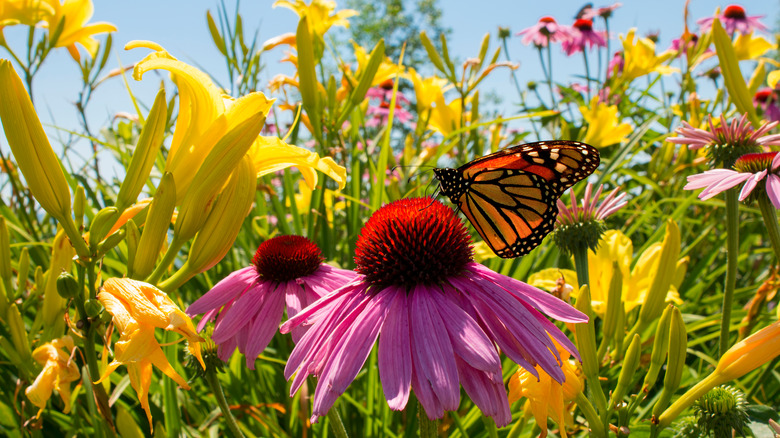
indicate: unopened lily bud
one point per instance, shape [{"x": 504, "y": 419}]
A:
[
  {"x": 67, "y": 286},
  {"x": 23, "y": 271},
  {"x": 18, "y": 332},
  {"x": 660, "y": 348},
  {"x": 5, "y": 253},
  {"x": 101, "y": 224},
  {"x": 133, "y": 238},
  {"x": 675, "y": 364},
  {"x": 79, "y": 202},
  {"x": 630, "y": 363},
  {"x": 53, "y": 305},
  {"x": 614, "y": 304},
  {"x": 30, "y": 146},
  {"x": 586, "y": 336},
  {"x": 664, "y": 276},
  {"x": 219, "y": 232},
  {"x": 110, "y": 242},
  {"x": 156, "y": 229},
  {"x": 146, "y": 149},
  {"x": 213, "y": 174}
]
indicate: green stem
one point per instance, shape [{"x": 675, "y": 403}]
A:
[
  {"x": 216, "y": 388},
  {"x": 428, "y": 427},
  {"x": 176, "y": 280},
  {"x": 587, "y": 70},
  {"x": 167, "y": 260},
  {"x": 336, "y": 425},
  {"x": 770, "y": 220},
  {"x": 732, "y": 252},
  {"x": 594, "y": 422},
  {"x": 581, "y": 264}
]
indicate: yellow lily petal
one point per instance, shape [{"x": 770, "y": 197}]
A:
[
  {"x": 58, "y": 372},
  {"x": 76, "y": 14},
  {"x": 773, "y": 78},
  {"x": 604, "y": 127},
  {"x": 640, "y": 58},
  {"x": 748, "y": 47},
  {"x": 427, "y": 91},
  {"x": 270, "y": 154},
  {"x": 319, "y": 14}
]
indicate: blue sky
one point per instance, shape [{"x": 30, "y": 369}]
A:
[{"x": 180, "y": 27}]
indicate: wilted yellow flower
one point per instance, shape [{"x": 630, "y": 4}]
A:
[
  {"x": 58, "y": 371},
  {"x": 639, "y": 58},
  {"x": 320, "y": 13},
  {"x": 75, "y": 14},
  {"x": 546, "y": 397},
  {"x": 604, "y": 127},
  {"x": 137, "y": 308},
  {"x": 748, "y": 47}
]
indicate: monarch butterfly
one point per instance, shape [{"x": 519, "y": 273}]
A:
[{"x": 510, "y": 196}]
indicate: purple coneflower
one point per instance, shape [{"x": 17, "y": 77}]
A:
[
  {"x": 582, "y": 34},
  {"x": 442, "y": 319},
  {"x": 734, "y": 18},
  {"x": 604, "y": 12},
  {"x": 579, "y": 227},
  {"x": 755, "y": 170},
  {"x": 728, "y": 141},
  {"x": 547, "y": 30},
  {"x": 766, "y": 99},
  {"x": 248, "y": 304},
  {"x": 616, "y": 64}
]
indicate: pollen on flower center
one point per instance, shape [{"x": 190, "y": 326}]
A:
[
  {"x": 754, "y": 163},
  {"x": 735, "y": 12},
  {"x": 410, "y": 242},
  {"x": 285, "y": 258},
  {"x": 547, "y": 20},
  {"x": 584, "y": 25}
]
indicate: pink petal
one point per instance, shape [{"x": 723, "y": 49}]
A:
[
  {"x": 723, "y": 185},
  {"x": 707, "y": 178},
  {"x": 241, "y": 313},
  {"x": 468, "y": 339},
  {"x": 395, "y": 353},
  {"x": 773, "y": 189},
  {"x": 264, "y": 325},
  {"x": 750, "y": 184},
  {"x": 431, "y": 345},
  {"x": 487, "y": 393},
  {"x": 226, "y": 290}
]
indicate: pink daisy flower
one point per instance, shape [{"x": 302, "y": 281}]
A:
[
  {"x": 616, "y": 64},
  {"x": 766, "y": 99},
  {"x": 248, "y": 304},
  {"x": 582, "y": 34},
  {"x": 442, "y": 319},
  {"x": 545, "y": 31},
  {"x": 728, "y": 141},
  {"x": 734, "y": 18},
  {"x": 380, "y": 114},
  {"x": 758, "y": 172},
  {"x": 604, "y": 12},
  {"x": 591, "y": 209}
]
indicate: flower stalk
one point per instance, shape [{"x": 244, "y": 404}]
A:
[
  {"x": 732, "y": 252},
  {"x": 216, "y": 389},
  {"x": 770, "y": 220}
]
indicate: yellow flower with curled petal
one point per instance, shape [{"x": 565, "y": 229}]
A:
[
  {"x": 28, "y": 12},
  {"x": 546, "y": 397},
  {"x": 604, "y": 127},
  {"x": 76, "y": 14},
  {"x": 387, "y": 69},
  {"x": 58, "y": 372},
  {"x": 748, "y": 47},
  {"x": 447, "y": 117},
  {"x": 320, "y": 13},
  {"x": 427, "y": 91},
  {"x": 639, "y": 58},
  {"x": 137, "y": 309}
]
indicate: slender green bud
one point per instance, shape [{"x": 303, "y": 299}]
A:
[
  {"x": 146, "y": 150},
  {"x": 18, "y": 332},
  {"x": 678, "y": 344},
  {"x": 133, "y": 238},
  {"x": 23, "y": 271},
  {"x": 67, "y": 286},
  {"x": 101, "y": 224},
  {"x": 614, "y": 304},
  {"x": 367, "y": 76},
  {"x": 5, "y": 254},
  {"x": 110, "y": 242},
  {"x": 586, "y": 336},
  {"x": 433, "y": 55},
  {"x": 79, "y": 203},
  {"x": 156, "y": 229},
  {"x": 62, "y": 253},
  {"x": 630, "y": 364},
  {"x": 667, "y": 267},
  {"x": 660, "y": 348},
  {"x": 218, "y": 40}
]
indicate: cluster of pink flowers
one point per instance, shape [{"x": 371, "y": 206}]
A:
[
  {"x": 573, "y": 38},
  {"x": 380, "y": 113}
]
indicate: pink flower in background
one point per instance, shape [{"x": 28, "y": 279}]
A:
[
  {"x": 615, "y": 66},
  {"x": 582, "y": 34},
  {"x": 545, "y": 31},
  {"x": 442, "y": 319},
  {"x": 767, "y": 100},
  {"x": 754, "y": 170},
  {"x": 591, "y": 209},
  {"x": 737, "y": 133},
  {"x": 605, "y": 12},
  {"x": 379, "y": 114},
  {"x": 734, "y": 18},
  {"x": 248, "y": 304}
]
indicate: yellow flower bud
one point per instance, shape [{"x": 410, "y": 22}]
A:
[
  {"x": 30, "y": 146},
  {"x": 18, "y": 332},
  {"x": 155, "y": 231},
  {"x": 53, "y": 304},
  {"x": 149, "y": 143},
  {"x": 675, "y": 364},
  {"x": 664, "y": 276}
]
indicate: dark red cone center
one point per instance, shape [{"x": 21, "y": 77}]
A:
[
  {"x": 285, "y": 258},
  {"x": 735, "y": 12}
]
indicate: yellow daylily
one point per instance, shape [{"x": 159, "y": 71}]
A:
[
  {"x": 447, "y": 117},
  {"x": 320, "y": 13},
  {"x": 137, "y": 308},
  {"x": 546, "y": 397},
  {"x": 639, "y": 58},
  {"x": 28, "y": 12},
  {"x": 604, "y": 127},
  {"x": 749, "y": 47},
  {"x": 76, "y": 14},
  {"x": 58, "y": 372},
  {"x": 271, "y": 154},
  {"x": 427, "y": 91},
  {"x": 773, "y": 78},
  {"x": 387, "y": 69}
]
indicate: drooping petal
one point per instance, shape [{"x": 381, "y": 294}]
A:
[
  {"x": 469, "y": 341},
  {"x": 395, "y": 354},
  {"x": 228, "y": 289},
  {"x": 242, "y": 311},
  {"x": 750, "y": 184},
  {"x": 487, "y": 392},
  {"x": 773, "y": 189},
  {"x": 265, "y": 325}
]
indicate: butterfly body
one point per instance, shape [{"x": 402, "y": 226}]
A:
[{"x": 510, "y": 196}]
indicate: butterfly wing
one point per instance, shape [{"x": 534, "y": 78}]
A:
[
  {"x": 511, "y": 209},
  {"x": 510, "y": 196}
]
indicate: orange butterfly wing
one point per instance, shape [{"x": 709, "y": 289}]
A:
[{"x": 510, "y": 196}]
